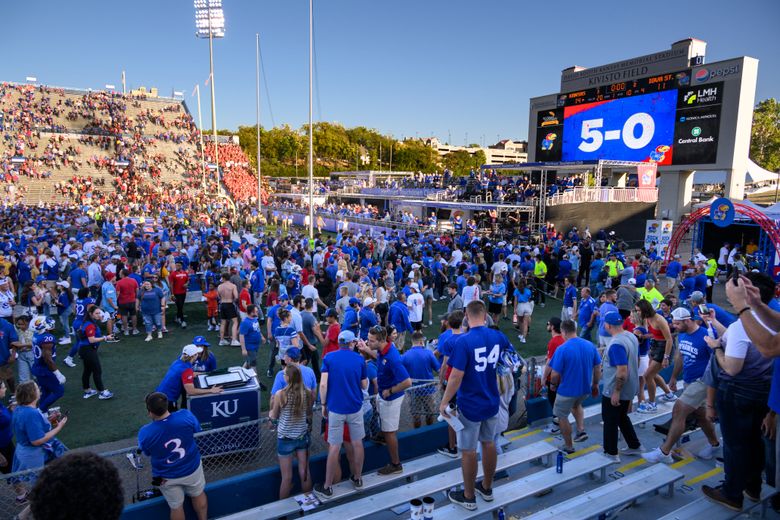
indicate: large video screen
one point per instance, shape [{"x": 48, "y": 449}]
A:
[
  {"x": 662, "y": 119},
  {"x": 631, "y": 129}
]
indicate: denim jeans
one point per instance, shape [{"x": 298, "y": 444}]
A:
[
  {"x": 152, "y": 320},
  {"x": 741, "y": 413},
  {"x": 25, "y": 362},
  {"x": 587, "y": 333},
  {"x": 65, "y": 321}
]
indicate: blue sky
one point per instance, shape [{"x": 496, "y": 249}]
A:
[{"x": 405, "y": 67}]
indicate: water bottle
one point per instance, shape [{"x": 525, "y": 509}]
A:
[
  {"x": 559, "y": 463},
  {"x": 501, "y": 514}
]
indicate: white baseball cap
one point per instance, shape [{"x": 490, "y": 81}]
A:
[
  {"x": 632, "y": 281},
  {"x": 681, "y": 313},
  {"x": 415, "y": 286},
  {"x": 368, "y": 301},
  {"x": 191, "y": 350}
]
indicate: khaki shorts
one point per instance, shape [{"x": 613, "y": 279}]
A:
[
  {"x": 694, "y": 394},
  {"x": 336, "y": 422},
  {"x": 390, "y": 413},
  {"x": 564, "y": 405},
  {"x": 175, "y": 489}
]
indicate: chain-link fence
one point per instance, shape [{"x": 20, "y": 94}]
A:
[{"x": 237, "y": 449}]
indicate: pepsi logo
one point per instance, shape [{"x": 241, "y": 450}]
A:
[{"x": 702, "y": 75}]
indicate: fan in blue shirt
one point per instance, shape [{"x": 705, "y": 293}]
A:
[
  {"x": 475, "y": 355},
  {"x": 169, "y": 440},
  {"x": 574, "y": 361}
]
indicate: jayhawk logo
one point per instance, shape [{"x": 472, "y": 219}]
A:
[
  {"x": 549, "y": 140},
  {"x": 720, "y": 212}
]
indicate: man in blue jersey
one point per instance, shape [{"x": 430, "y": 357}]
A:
[
  {"x": 692, "y": 358},
  {"x": 610, "y": 298},
  {"x": 586, "y": 315},
  {"x": 576, "y": 369},
  {"x": 342, "y": 382},
  {"x": 179, "y": 381},
  {"x": 473, "y": 376},
  {"x": 392, "y": 379},
  {"x": 50, "y": 379},
  {"x": 169, "y": 441}
]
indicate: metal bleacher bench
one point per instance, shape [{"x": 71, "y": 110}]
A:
[
  {"x": 369, "y": 505},
  {"x": 412, "y": 468},
  {"x": 530, "y": 485},
  {"x": 289, "y": 506},
  {"x": 705, "y": 508},
  {"x": 613, "y": 495}
]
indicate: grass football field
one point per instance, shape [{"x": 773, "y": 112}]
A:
[{"x": 132, "y": 368}]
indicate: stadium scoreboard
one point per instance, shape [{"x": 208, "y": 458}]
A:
[{"x": 668, "y": 109}]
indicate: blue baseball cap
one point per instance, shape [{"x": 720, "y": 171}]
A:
[
  {"x": 331, "y": 312},
  {"x": 346, "y": 337},
  {"x": 293, "y": 353},
  {"x": 613, "y": 318},
  {"x": 284, "y": 297},
  {"x": 200, "y": 341},
  {"x": 354, "y": 301}
]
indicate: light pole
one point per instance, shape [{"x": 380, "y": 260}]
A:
[
  {"x": 257, "y": 90},
  {"x": 210, "y": 23},
  {"x": 311, "y": 126}
]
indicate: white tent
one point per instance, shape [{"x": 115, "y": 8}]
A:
[{"x": 755, "y": 173}]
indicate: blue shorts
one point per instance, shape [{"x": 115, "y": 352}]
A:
[{"x": 286, "y": 447}]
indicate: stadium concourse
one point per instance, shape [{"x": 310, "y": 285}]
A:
[{"x": 118, "y": 268}]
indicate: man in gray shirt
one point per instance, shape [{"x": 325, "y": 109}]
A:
[
  {"x": 342, "y": 303},
  {"x": 621, "y": 382},
  {"x": 313, "y": 333},
  {"x": 94, "y": 277},
  {"x": 456, "y": 303}
]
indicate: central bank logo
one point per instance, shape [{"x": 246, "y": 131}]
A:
[{"x": 696, "y": 131}]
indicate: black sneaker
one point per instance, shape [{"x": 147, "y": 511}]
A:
[
  {"x": 357, "y": 482},
  {"x": 448, "y": 452},
  {"x": 323, "y": 493},
  {"x": 715, "y": 494},
  {"x": 457, "y": 497},
  {"x": 486, "y": 494},
  {"x": 390, "y": 469},
  {"x": 581, "y": 436}
]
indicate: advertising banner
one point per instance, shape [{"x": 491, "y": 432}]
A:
[{"x": 658, "y": 232}]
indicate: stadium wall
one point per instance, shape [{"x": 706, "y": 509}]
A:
[
  {"x": 627, "y": 219},
  {"x": 260, "y": 487}
]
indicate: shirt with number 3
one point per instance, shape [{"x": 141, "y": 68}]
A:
[
  {"x": 170, "y": 444},
  {"x": 476, "y": 353}
]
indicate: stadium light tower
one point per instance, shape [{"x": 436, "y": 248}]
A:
[{"x": 210, "y": 23}]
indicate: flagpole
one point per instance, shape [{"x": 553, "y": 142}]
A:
[
  {"x": 311, "y": 126},
  {"x": 202, "y": 151},
  {"x": 257, "y": 89}
]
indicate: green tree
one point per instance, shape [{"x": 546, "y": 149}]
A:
[
  {"x": 414, "y": 155},
  {"x": 460, "y": 162},
  {"x": 765, "y": 135}
]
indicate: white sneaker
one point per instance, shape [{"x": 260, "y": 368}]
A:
[
  {"x": 647, "y": 407},
  {"x": 89, "y": 393},
  {"x": 159, "y": 335},
  {"x": 184, "y": 324},
  {"x": 69, "y": 361},
  {"x": 223, "y": 342},
  {"x": 655, "y": 456},
  {"x": 126, "y": 333},
  {"x": 105, "y": 394},
  {"x": 148, "y": 337},
  {"x": 430, "y": 322},
  {"x": 708, "y": 451},
  {"x": 65, "y": 340},
  {"x": 670, "y": 397},
  {"x": 235, "y": 343},
  {"x": 136, "y": 332},
  {"x": 614, "y": 458},
  {"x": 210, "y": 328}
]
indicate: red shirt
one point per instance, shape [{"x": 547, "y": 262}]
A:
[
  {"x": 553, "y": 344},
  {"x": 332, "y": 336},
  {"x": 305, "y": 274},
  {"x": 244, "y": 299},
  {"x": 178, "y": 281},
  {"x": 126, "y": 290}
]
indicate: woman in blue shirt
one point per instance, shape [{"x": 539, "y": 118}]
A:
[
  {"x": 36, "y": 441},
  {"x": 524, "y": 307},
  {"x": 496, "y": 297}
]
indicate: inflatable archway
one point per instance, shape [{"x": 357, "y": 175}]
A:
[{"x": 768, "y": 225}]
